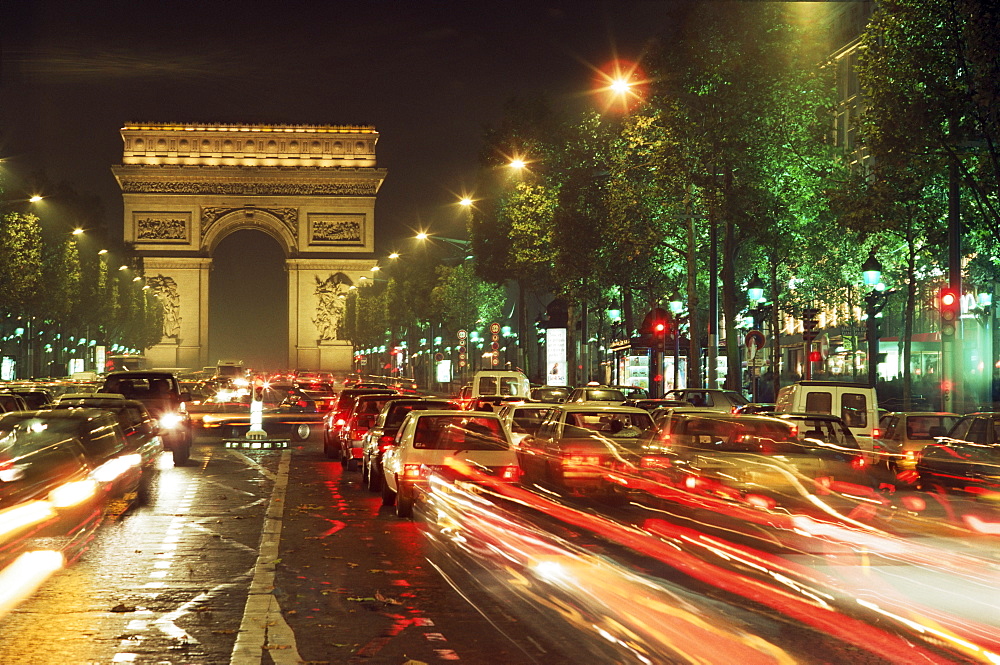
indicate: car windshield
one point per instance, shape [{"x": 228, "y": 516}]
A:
[
  {"x": 398, "y": 413},
  {"x": 925, "y": 428},
  {"x": 618, "y": 424},
  {"x": 459, "y": 433},
  {"x": 527, "y": 421}
]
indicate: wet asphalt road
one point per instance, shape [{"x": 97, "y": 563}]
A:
[{"x": 258, "y": 557}]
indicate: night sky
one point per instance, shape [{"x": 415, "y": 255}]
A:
[{"x": 428, "y": 75}]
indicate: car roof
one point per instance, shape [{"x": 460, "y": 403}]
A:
[
  {"x": 920, "y": 413},
  {"x": 453, "y": 413},
  {"x": 598, "y": 407}
]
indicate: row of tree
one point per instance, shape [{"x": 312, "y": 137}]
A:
[
  {"x": 726, "y": 164},
  {"x": 63, "y": 292}
]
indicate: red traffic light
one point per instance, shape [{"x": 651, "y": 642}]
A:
[
  {"x": 948, "y": 305},
  {"x": 660, "y": 326},
  {"x": 815, "y": 356}
]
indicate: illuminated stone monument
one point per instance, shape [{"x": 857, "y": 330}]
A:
[{"x": 312, "y": 188}]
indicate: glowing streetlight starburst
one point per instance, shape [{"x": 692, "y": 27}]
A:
[{"x": 517, "y": 163}]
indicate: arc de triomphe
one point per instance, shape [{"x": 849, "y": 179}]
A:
[{"x": 310, "y": 187}]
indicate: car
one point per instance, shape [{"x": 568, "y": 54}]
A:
[
  {"x": 12, "y": 402},
  {"x": 286, "y": 412},
  {"x": 358, "y": 421},
  {"x": 383, "y": 433},
  {"x": 139, "y": 427},
  {"x": 632, "y": 392},
  {"x": 46, "y": 492},
  {"x": 655, "y": 403},
  {"x": 751, "y": 408},
  {"x": 733, "y": 454},
  {"x": 115, "y": 463},
  {"x": 662, "y": 414},
  {"x": 34, "y": 398},
  {"x": 335, "y": 419},
  {"x": 550, "y": 394},
  {"x": 575, "y": 447},
  {"x": 856, "y": 403},
  {"x": 966, "y": 460},
  {"x": 596, "y": 395},
  {"x": 491, "y": 387},
  {"x": 903, "y": 434},
  {"x": 432, "y": 442},
  {"x": 161, "y": 394},
  {"x": 522, "y": 420},
  {"x": 709, "y": 398}
]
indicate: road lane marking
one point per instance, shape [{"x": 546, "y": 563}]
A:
[
  {"x": 267, "y": 473},
  {"x": 263, "y": 624}
]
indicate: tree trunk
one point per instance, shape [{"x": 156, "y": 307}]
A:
[
  {"x": 911, "y": 301},
  {"x": 733, "y": 362},
  {"x": 694, "y": 348},
  {"x": 572, "y": 376}
]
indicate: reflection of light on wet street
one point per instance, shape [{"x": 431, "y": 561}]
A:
[{"x": 21, "y": 578}]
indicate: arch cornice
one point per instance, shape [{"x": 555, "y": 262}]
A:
[{"x": 279, "y": 223}]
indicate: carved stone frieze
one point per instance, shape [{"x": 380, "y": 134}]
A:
[
  {"x": 161, "y": 226},
  {"x": 336, "y": 229},
  {"x": 362, "y": 188},
  {"x": 330, "y": 305}
]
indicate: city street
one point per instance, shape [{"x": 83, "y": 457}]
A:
[{"x": 169, "y": 582}]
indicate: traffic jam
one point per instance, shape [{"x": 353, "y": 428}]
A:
[{"x": 298, "y": 517}]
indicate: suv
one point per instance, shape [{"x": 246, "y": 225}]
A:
[{"x": 161, "y": 395}]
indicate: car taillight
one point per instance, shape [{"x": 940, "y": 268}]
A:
[
  {"x": 876, "y": 433},
  {"x": 340, "y": 422},
  {"x": 582, "y": 460},
  {"x": 858, "y": 463},
  {"x": 910, "y": 455},
  {"x": 510, "y": 473},
  {"x": 385, "y": 441},
  {"x": 411, "y": 470}
]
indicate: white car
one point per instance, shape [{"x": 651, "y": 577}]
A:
[{"x": 427, "y": 443}]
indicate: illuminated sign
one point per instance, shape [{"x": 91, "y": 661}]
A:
[{"x": 555, "y": 357}]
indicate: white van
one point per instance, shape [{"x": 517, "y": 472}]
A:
[
  {"x": 496, "y": 386},
  {"x": 855, "y": 403}
]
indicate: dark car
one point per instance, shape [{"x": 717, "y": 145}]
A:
[
  {"x": 382, "y": 433},
  {"x": 113, "y": 463},
  {"x": 655, "y": 403},
  {"x": 734, "y": 454},
  {"x": 715, "y": 399},
  {"x": 162, "y": 396},
  {"x": 46, "y": 492},
  {"x": 550, "y": 394},
  {"x": 967, "y": 460},
  {"x": 336, "y": 418},
  {"x": 358, "y": 421},
  {"x": 33, "y": 398},
  {"x": 12, "y": 402},
  {"x": 139, "y": 427}
]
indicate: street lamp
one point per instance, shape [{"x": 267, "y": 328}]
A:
[
  {"x": 759, "y": 311},
  {"x": 875, "y": 301}
]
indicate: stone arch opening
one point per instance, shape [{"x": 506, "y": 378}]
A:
[
  {"x": 277, "y": 224},
  {"x": 248, "y": 300}
]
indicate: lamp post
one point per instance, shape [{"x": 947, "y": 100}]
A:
[
  {"x": 875, "y": 301},
  {"x": 759, "y": 312}
]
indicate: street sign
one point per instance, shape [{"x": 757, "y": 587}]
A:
[
  {"x": 755, "y": 338},
  {"x": 462, "y": 335},
  {"x": 495, "y": 328}
]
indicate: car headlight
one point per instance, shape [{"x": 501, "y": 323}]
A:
[{"x": 170, "y": 420}]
